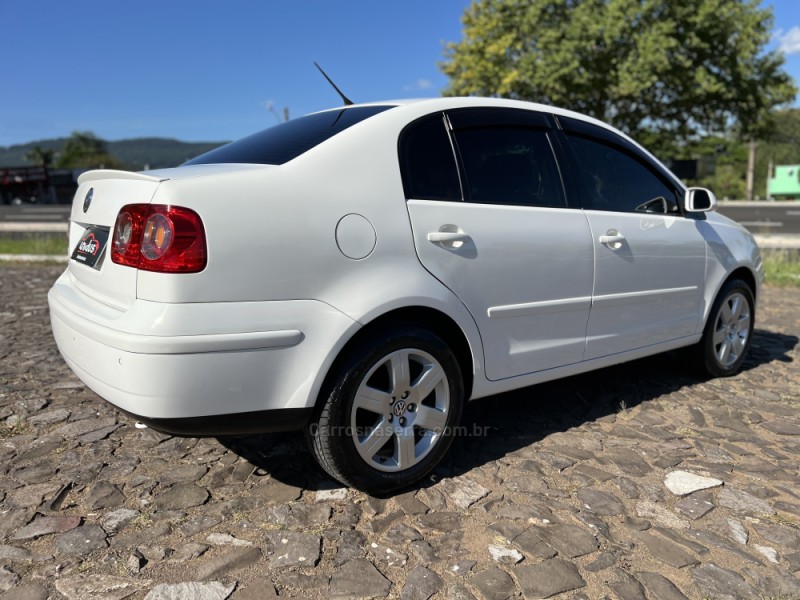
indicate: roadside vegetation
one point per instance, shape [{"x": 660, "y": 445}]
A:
[
  {"x": 782, "y": 267},
  {"x": 34, "y": 243}
]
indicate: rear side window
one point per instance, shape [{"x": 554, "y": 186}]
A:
[
  {"x": 427, "y": 163},
  {"x": 282, "y": 143},
  {"x": 509, "y": 165}
]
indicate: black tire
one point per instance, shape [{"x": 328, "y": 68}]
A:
[
  {"x": 374, "y": 430},
  {"x": 728, "y": 332}
]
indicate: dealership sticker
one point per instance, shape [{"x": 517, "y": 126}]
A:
[{"x": 90, "y": 247}]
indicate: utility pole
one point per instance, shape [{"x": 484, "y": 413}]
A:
[{"x": 751, "y": 165}]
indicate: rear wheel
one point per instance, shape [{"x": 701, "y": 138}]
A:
[
  {"x": 726, "y": 338},
  {"x": 388, "y": 412}
]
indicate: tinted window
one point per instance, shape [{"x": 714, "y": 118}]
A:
[
  {"x": 427, "y": 162},
  {"x": 613, "y": 179},
  {"x": 282, "y": 143},
  {"x": 509, "y": 165}
]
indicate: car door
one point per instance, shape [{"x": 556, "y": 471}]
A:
[
  {"x": 490, "y": 221},
  {"x": 650, "y": 257}
]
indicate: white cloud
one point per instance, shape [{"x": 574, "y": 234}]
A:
[
  {"x": 418, "y": 85},
  {"x": 789, "y": 42}
]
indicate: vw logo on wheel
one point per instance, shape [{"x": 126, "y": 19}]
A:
[
  {"x": 399, "y": 408},
  {"x": 87, "y": 202}
]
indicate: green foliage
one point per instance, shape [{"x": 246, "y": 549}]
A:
[
  {"x": 156, "y": 153},
  {"x": 33, "y": 243},
  {"x": 41, "y": 157},
  {"x": 83, "y": 149},
  {"x": 670, "y": 69}
]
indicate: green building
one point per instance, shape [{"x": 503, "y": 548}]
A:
[{"x": 784, "y": 182}]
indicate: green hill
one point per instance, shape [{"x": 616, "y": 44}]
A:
[{"x": 155, "y": 153}]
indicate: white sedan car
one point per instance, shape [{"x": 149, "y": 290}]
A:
[{"x": 362, "y": 272}]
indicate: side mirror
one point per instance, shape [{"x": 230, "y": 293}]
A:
[{"x": 699, "y": 199}]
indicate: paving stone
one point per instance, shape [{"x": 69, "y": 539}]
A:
[
  {"x": 139, "y": 537},
  {"x": 627, "y": 460},
  {"x": 95, "y": 587},
  {"x": 180, "y": 496},
  {"x": 351, "y": 545},
  {"x": 277, "y": 492},
  {"x": 456, "y": 591},
  {"x": 401, "y": 534},
  {"x": 301, "y": 581},
  {"x": 569, "y": 540},
  {"x": 548, "y": 578},
  {"x": 694, "y": 507},
  {"x": 358, "y": 579},
  {"x": 182, "y": 474},
  {"x": 30, "y": 496},
  {"x": 105, "y": 495},
  {"x": 531, "y": 543},
  {"x": 300, "y": 516},
  {"x": 47, "y": 525},
  {"x": 387, "y": 557},
  {"x": 504, "y": 555},
  {"x": 259, "y": 588},
  {"x": 291, "y": 549},
  {"x": 605, "y": 560},
  {"x": 27, "y": 591},
  {"x": 410, "y": 504},
  {"x": 713, "y": 540},
  {"x": 188, "y": 551},
  {"x": 82, "y": 540},
  {"x": 665, "y": 551},
  {"x": 440, "y": 521},
  {"x": 676, "y": 537},
  {"x": 783, "y": 536},
  {"x": 768, "y": 552},
  {"x": 421, "y": 584},
  {"x": 211, "y": 590},
  {"x": 659, "y": 587},
  {"x": 782, "y": 427},
  {"x": 737, "y": 531},
  {"x": 8, "y": 578},
  {"x": 229, "y": 561},
  {"x": 226, "y": 539},
  {"x": 79, "y": 428},
  {"x": 463, "y": 492},
  {"x": 793, "y": 561},
  {"x": 682, "y": 483},
  {"x": 743, "y": 503},
  {"x": 628, "y": 589},
  {"x": 722, "y": 584},
  {"x": 331, "y": 495},
  {"x": 198, "y": 524},
  {"x": 600, "y": 503},
  {"x": 592, "y": 472},
  {"x": 494, "y": 584},
  {"x": 657, "y": 513},
  {"x": 118, "y": 519}
]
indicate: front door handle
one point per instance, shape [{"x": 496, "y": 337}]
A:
[{"x": 613, "y": 239}]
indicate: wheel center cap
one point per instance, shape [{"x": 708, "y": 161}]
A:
[{"x": 399, "y": 408}]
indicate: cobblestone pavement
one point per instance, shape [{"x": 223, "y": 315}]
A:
[{"x": 634, "y": 482}]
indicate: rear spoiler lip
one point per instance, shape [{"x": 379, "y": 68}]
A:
[{"x": 98, "y": 174}]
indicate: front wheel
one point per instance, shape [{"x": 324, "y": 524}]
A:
[
  {"x": 388, "y": 411},
  {"x": 726, "y": 338}
]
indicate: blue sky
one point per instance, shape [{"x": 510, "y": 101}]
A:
[{"x": 210, "y": 70}]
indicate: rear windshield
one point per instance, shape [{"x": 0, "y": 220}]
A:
[{"x": 282, "y": 143}]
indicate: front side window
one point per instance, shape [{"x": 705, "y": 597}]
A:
[
  {"x": 509, "y": 165},
  {"x": 282, "y": 143},
  {"x": 611, "y": 179}
]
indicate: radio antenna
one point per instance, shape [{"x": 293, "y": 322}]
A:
[{"x": 345, "y": 99}]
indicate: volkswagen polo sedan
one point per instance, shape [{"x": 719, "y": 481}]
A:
[{"x": 362, "y": 272}]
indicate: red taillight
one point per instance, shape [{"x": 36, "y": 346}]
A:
[{"x": 154, "y": 237}]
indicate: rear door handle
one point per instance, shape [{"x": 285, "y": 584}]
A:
[{"x": 447, "y": 237}]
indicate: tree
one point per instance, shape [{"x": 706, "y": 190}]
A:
[
  {"x": 660, "y": 70},
  {"x": 83, "y": 149}
]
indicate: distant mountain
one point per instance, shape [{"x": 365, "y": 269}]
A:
[{"x": 155, "y": 153}]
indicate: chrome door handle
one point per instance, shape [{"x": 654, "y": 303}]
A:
[{"x": 444, "y": 237}]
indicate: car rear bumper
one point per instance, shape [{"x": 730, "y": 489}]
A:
[{"x": 213, "y": 368}]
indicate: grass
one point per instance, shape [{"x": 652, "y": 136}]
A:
[
  {"x": 782, "y": 267},
  {"x": 34, "y": 243}
]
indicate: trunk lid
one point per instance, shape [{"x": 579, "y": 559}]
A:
[{"x": 100, "y": 196}]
